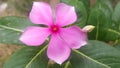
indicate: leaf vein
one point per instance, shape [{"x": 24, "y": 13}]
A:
[
  {"x": 10, "y": 28},
  {"x": 91, "y": 58},
  {"x": 27, "y": 66}
]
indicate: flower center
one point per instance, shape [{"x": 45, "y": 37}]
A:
[{"x": 54, "y": 28}]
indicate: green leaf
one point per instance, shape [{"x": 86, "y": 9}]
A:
[
  {"x": 115, "y": 26},
  {"x": 114, "y": 30},
  {"x": 86, "y": 3},
  {"x": 96, "y": 54},
  {"x": 28, "y": 57},
  {"x": 117, "y": 47},
  {"x": 107, "y": 25},
  {"x": 100, "y": 16},
  {"x": 98, "y": 19},
  {"x": 32, "y": 57},
  {"x": 80, "y": 9},
  {"x": 106, "y": 4},
  {"x": 11, "y": 29},
  {"x": 64, "y": 65},
  {"x": 82, "y": 14},
  {"x": 107, "y": 29},
  {"x": 116, "y": 13}
]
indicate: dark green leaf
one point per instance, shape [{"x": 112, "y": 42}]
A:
[
  {"x": 11, "y": 28},
  {"x": 116, "y": 13},
  {"x": 28, "y": 57},
  {"x": 105, "y": 4},
  {"x": 82, "y": 14},
  {"x": 114, "y": 30},
  {"x": 117, "y": 46},
  {"x": 96, "y": 54},
  {"x": 86, "y": 3},
  {"x": 115, "y": 26},
  {"x": 32, "y": 57},
  {"x": 100, "y": 16},
  {"x": 101, "y": 23}
]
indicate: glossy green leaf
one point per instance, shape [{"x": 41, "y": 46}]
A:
[
  {"x": 96, "y": 54},
  {"x": 100, "y": 16},
  {"x": 11, "y": 28},
  {"x": 28, "y": 57},
  {"x": 32, "y": 57}
]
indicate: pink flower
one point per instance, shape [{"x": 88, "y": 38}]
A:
[{"x": 62, "y": 39}]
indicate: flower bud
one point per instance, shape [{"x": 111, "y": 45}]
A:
[{"x": 88, "y": 28}]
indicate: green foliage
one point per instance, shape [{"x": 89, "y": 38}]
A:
[
  {"x": 116, "y": 14},
  {"x": 101, "y": 52},
  {"x": 11, "y": 29},
  {"x": 95, "y": 54},
  {"x": 101, "y": 15},
  {"x": 28, "y": 57},
  {"x": 114, "y": 29}
]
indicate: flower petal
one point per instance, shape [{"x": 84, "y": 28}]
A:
[
  {"x": 41, "y": 13},
  {"x": 74, "y": 36},
  {"x": 58, "y": 50},
  {"x": 65, "y": 14},
  {"x": 34, "y": 36}
]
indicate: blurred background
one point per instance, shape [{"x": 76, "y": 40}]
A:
[{"x": 22, "y": 8}]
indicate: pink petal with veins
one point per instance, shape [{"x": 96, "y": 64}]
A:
[
  {"x": 34, "y": 36},
  {"x": 41, "y": 13},
  {"x": 65, "y": 14},
  {"x": 74, "y": 36},
  {"x": 58, "y": 50}
]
